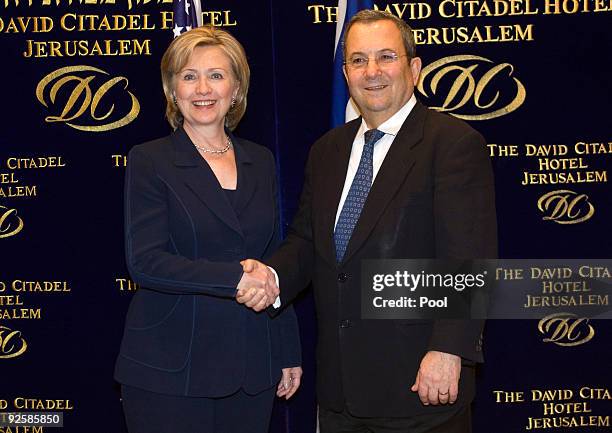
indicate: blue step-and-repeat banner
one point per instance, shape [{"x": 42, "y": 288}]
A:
[{"x": 80, "y": 85}]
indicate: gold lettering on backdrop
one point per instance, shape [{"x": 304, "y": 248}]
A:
[
  {"x": 560, "y": 408},
  {"x": 565, "y": 207},
  {"x": 82, "y": 91},
  {"x": 222, "y": 18},
  {"x": 119, "y": 160},
  {"x": 40, "y": 404},
  {"x": 582, "y": 148},
  {"x": 551, "y": 395},
  {"x": 509, "y": 396},
  {"x": 590, "y": 176},
  {"x": 594, "y": 272},
  {"x": 462, "y": 8},
  {"x": 60, "y": 3},
  {"x": 10, "y": 183},
  {"x": 133, "y": 3},
  {"x": 546, "y": 150},
  {"x": 453, "y": 9},
  {"x": 567, "y": 422},
  {"x": 469, "y": 35},
  {"x": 560, "y": 164},
  {"x": 79, "y": 22},
  {"x": 20, "y": 314},
  {"x": 446, "y": 9},
  {"x": 16, "y": 303},
  {"x": 26, "y": 24},
  {"x": 570, "y": 7},
  {"x": 550, "y": 273},
  {"x": 12, "y": 343},
  {"x": 566, "y": 329},
  {"x": 408, "y": 11},
  {"x": 218, "y": 18},
  {"x": 40, "y": 286},
  {"x": 565, "y": 300},
  {"x": 14, "y": 163},
  {"x": 10, "y": 223},
  {"x": 502, "y": 149},
  {"x": 18, "y": 191},
  {"x": 509, "y": 274},
  {"x": 486, "y": 11},
  {"x": 322, "y": 13},
  {"x": 8, "y": 178},
  {"x": 74, "y": 48},
  {"x": 126, "y": 285},
  {"x": 462, "y": 87},
  {"x": 167, "y": 20},
  {"x": 14, "y": 297},
  {"x": 80, "y": 2},
  {"x": 595, "y": 393},
  {"x": 10, "y": 300},
  {"x": 563, "y": 287}
]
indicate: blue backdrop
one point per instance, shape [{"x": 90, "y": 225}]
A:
[{"x": 527, "y": 73}]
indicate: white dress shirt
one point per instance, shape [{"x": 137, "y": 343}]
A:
[{"x": 390, "y": 127}]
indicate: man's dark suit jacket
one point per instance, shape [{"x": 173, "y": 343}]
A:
[
  {"x": 432, "y": 198},
  {"x": 185, "y": 334}
]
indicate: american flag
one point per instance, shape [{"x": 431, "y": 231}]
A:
[{"x": 187, "y": 15}]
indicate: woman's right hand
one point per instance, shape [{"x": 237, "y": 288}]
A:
[{"x": 257, "y": 288}]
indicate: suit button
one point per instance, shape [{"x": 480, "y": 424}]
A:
[
  {"x": 342, "y": 277},
  {"x": 345, "y": 324}
]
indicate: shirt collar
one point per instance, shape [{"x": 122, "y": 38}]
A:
[{"x": 393, "y": 124}]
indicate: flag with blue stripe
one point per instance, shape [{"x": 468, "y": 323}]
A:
[
  {"x": 187, "y": 15},
  {"x": 343, "y": 109}
]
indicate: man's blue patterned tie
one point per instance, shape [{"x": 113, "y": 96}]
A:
[{"x": 357, "y": 195}]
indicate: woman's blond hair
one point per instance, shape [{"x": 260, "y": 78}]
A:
[{"x": 177, "y": 55}]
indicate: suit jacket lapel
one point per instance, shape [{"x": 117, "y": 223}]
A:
[
  {"x": 397, "y": 164},
  {"x": 335, "y": 175},
  {"x": 199, "y": 177},
  {"x": 247, "y": 176}
]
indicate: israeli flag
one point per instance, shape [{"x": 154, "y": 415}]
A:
[{"x": 343, "y": 108}]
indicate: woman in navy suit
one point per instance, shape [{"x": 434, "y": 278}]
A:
[{"x": 197, "y": 203}]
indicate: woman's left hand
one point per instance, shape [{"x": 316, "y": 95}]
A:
[{"x": 290, "y": 382}]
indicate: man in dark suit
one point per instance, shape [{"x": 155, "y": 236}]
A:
[{"x": 400, "y": 182}]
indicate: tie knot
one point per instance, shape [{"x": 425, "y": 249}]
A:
[{"x": 372, "y": 136}]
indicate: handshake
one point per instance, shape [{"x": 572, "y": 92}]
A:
[{"x": 257, "y": 288}]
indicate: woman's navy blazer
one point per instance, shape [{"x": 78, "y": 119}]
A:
[{"x": 185, "y": 334}]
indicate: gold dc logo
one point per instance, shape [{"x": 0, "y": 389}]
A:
[
  {"x": 81, "y": 103},
  {"x": 10, "y": 223},
  {"x": 12, "y": 343},
  {"x": 565, "y": 207},
  {"x": 475, "y": 88},
  {"x": 566, "y": 329}
]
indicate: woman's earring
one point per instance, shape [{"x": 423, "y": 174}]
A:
[
  {"x": 233, "y": 104},
  {"x": 174, "y": 99}
]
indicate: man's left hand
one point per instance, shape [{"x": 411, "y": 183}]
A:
[{"x": 437, "y": 380}]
